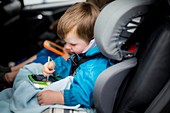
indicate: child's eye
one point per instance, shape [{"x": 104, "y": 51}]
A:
[{"x": 73, "y": 44}]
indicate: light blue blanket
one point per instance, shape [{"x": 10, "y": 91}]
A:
[{"x": 22, "y": 97}]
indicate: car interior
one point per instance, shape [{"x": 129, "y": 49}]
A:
[
  {"x": 25, "y": 25},
  {"x": 135, "y": 33}
]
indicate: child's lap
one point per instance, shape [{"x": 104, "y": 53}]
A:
[{"x": 61, "y": 84}]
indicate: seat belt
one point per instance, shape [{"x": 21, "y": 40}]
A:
[{"x": 76, "y": 62}]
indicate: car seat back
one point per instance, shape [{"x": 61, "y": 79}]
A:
[
  {"x": 162, "y": 99},
  {"x": 150, "y": 77}
]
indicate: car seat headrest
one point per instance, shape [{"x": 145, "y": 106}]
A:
[{"x": 113, "y": 21}]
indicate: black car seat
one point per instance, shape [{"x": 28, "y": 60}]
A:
[
  {"x": 146, "y": 87},
  {"x": 115, "y": 24}
]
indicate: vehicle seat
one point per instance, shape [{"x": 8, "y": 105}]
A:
[
  {"x": 115, "y": 24},
  {"x": 146, "y": 87}
]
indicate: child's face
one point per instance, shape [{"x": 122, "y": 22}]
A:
[{"x": 74, "y": 43}]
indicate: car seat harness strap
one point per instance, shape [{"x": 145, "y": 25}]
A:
[{"x": 79, "y": 59}]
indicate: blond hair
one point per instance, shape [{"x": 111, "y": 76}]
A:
[
  {"x": 81, "y": 16},
  {"x": 100, "y": 3}
]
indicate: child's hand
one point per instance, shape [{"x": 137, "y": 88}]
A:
[
  {"x": 49, "y": 97},
  {"x": 48, "y": 68}
]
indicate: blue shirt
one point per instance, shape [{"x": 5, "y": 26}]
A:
[{"x": 81, "y": 90}]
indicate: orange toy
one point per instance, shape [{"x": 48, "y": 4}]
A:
[{"x": 53, "y": 47}]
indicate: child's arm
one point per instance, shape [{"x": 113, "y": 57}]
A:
[{"x": 49, "y": 97}]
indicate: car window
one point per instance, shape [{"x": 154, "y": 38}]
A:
[{"x": 34, "y": 2}]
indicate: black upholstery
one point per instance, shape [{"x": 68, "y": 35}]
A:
[
  {"x": 162, "y": 101},
  {"x": 152, "y": 74},
  {"x": 146, "y": 81}
]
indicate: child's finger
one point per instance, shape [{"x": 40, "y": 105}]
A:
[{"x": 51, "y": 66}]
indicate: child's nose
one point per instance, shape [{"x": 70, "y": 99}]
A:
[{"x": 67, "y": 46}]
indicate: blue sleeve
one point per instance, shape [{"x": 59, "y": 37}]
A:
[
  {"x": 42, "y": 56},
  {"x": 62, "y": 67},
  {"x": 81, "y": 90}
]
